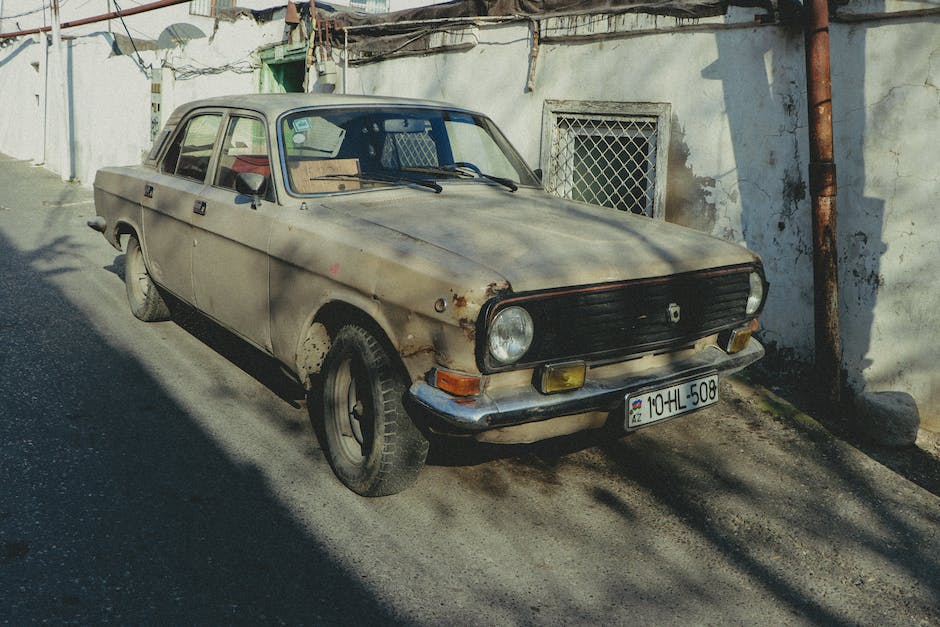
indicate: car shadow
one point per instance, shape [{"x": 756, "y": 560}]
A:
[
  {"x": 263, "y": 368},
  {"x": 118, "y": 506}
]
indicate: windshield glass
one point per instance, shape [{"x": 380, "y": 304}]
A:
[{"x": 353, "y": 148}]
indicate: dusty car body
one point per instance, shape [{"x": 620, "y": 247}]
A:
[{"x": 401, "y": 260}]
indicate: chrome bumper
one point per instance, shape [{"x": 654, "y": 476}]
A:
[{"x": 514, "y": 407}]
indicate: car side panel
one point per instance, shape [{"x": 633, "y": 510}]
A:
[
  {"x": 230, "y": 263},
  {"x": 167, "y": 231},
  {"x": 116, "y": 200},
  {"x": 318, "y": 257}
]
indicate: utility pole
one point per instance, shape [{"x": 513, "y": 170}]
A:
[
  {"x": 59, "y": 75},
  {"x": 822, "y": 183}
]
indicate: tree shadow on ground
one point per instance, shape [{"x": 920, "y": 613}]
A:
[
  {"x": 260, "y": 366},
  {"x": 118, "y": 507},
  {"x": 788, "y": 379}
]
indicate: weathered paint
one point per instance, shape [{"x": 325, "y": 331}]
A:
[{"x": 272, "y": 273}]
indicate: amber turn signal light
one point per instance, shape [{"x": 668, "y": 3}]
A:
[
  {"x": 456, "y": 383},
  {"x": 561, "y": 377},
  {"x": 736, "y": 340}
]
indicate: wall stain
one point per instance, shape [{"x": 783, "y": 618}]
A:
[{"x": 687, "y": 195}]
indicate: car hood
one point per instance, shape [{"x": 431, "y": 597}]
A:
[{"x": 537, "y": 241}]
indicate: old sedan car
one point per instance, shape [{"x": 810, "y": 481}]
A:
[{"x": 401, "y": 260}]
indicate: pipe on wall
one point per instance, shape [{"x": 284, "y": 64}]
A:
[
  {"x": 822, "y": 183},
  {"x": 160, "y": 4}
]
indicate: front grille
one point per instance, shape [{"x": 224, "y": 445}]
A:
[{"x": 630, "y": 318}]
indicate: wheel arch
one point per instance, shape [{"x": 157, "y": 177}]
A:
[
  {"x": 323, "y": 325},
  {"x": 124, "y": 228}
]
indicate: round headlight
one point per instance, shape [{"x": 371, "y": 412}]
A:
[
  {"x": 510, "y": 334},
  {"x": 756, "y": 295}
]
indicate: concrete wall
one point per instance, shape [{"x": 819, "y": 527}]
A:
[
  {"x": 106, "y": 95},
  {"x": 886, "y": 88},
  {"x": 738, "y": 157}
]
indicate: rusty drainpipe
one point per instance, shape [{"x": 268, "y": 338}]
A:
[{"x": 822, "y": 183}]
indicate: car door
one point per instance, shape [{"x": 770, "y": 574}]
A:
[
  {"x": 169, "y": 198},
  {"x": 231, "y": 231}
]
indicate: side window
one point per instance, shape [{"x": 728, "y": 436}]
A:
[
  {"x": 244, "y": 149},
  {"x": 189, "y": 154}
]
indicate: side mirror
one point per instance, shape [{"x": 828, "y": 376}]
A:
[{"x": 251, "y": 184}]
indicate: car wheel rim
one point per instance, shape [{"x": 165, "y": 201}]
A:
[
  {"x": 350, "y": 412},
  {"x": 139, "y": 279}
]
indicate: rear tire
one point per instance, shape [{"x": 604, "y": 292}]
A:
[
  {"x": 372, "y": 444},
  {"x": 144, "y": 297}
]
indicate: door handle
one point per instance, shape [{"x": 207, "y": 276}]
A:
[
  {"x": 148, "y": 191},
  {"x": 199, "y": 207}
]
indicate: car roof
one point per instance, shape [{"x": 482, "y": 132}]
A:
[{"x": 274, "y": 104}]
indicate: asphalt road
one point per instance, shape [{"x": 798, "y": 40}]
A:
[{"x": 164, "y": 473}]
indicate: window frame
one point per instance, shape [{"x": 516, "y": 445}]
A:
[
  {"x": 554, "y": 109},
  {"x": 495, "y": 132},
  {"x": 230, "y": 114},
  {"x": 214, "y": 8},
  {"x": 179, "y": 134}
]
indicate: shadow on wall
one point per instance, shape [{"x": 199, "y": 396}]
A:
[
  {"x": 117, "y": 505},
  {"x": 687, "y": 195},
  {"x": 777, "y": 216},
  {"x": 20, "y": 47}
]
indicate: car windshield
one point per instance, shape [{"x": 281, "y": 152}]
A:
[{"x": 356, "y": 148}]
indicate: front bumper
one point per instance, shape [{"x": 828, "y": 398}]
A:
[{"x": 520, "y": 406}]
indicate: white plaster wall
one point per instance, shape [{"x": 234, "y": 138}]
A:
[
  {"x": 886, "y": 83},
  {"x": 109, "y": 96},
  {"x": 738, "y": 109},
  {"x": 22, "y": 88},
  {"x": 110, "y": 107}
]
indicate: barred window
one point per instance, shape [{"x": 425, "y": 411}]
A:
[
  {"x": 607, "y": 153},
  {"x": 209, "y": 8}
]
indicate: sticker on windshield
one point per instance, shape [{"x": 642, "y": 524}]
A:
[{"x": 317, "y": 137}]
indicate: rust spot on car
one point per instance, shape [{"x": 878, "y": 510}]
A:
[
  {"x": 469, "y": 328},
  {"x": 497, "y": 289},
  {"x": 411, "y": 351},
  {"x": 460, "y": 301}
]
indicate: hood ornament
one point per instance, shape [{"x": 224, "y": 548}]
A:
[{"x": 673, "y": 313}]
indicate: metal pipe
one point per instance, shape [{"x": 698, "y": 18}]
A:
[
  {"x": 160, "y": 4},
  {"x": 345, "y": 57},
  {"x": 61, "y": 76},
  {"x": 469, "y": 20},
  {"x": 822, "y": 183}
]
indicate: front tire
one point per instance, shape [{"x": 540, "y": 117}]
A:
[
  {"x": 143, "y": 296},
  {"x": 372, "y": 444}
]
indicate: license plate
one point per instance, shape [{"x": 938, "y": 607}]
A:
[{"x": 643, "y": 408}]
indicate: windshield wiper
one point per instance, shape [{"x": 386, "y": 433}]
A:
[
  {"x": 461, "y": 169},
  {"x": 381, "y": 179},
  {"x": 461, "y": 166}
]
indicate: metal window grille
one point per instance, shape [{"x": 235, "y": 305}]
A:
[
  {"x": 608, "y": 158},
  {"x": 370, "y": 6},
  {"x": 209, "y": 7}
]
